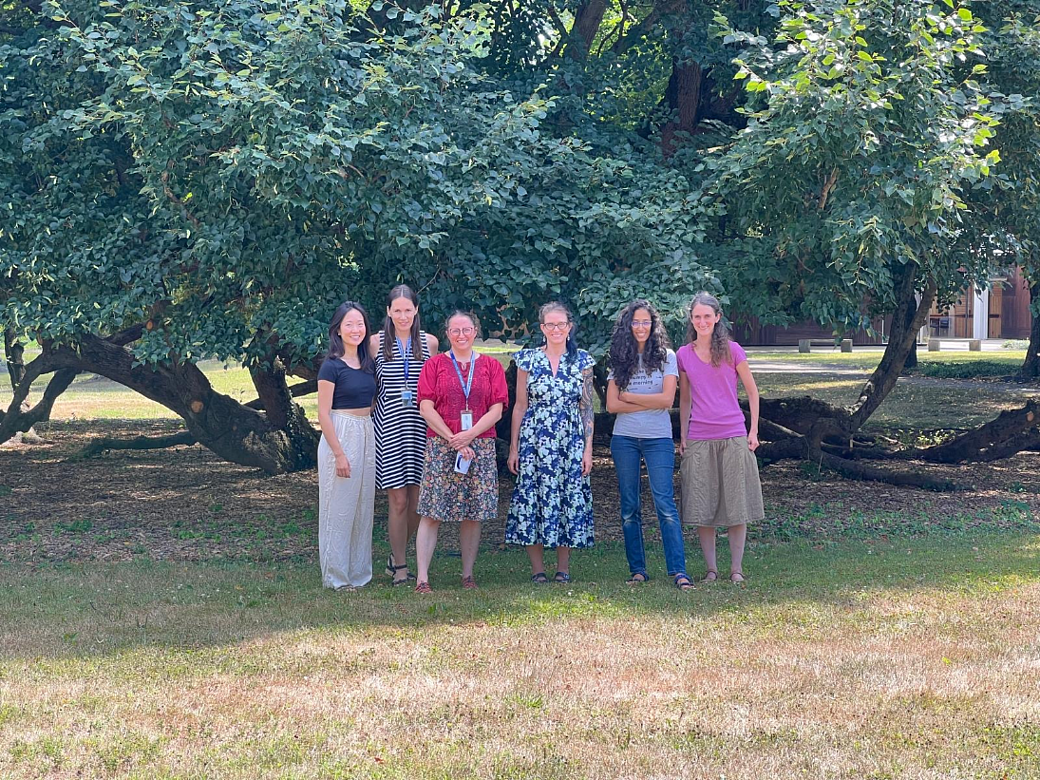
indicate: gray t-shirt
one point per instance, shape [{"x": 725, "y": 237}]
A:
[{"x": 652, "y": 423}]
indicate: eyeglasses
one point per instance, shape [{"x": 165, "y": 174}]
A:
[
  {"x": 551, "y": 326},
  {"x": 642, "y": 323},
  {"x": 462, "y": 331}
]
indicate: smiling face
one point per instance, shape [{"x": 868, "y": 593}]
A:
[
  {"x": 402, "y": 311},
  {"x": 556, "y": 327},
  {"x": 642, "y": 324},
  {"x": 704, "y": 318},
  {"x": 352, "y": 328},
  {"x": 461, "y": 332}
]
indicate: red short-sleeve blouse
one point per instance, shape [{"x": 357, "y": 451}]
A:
[{"x": 439, "y": 382}]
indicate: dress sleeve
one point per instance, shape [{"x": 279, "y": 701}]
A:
[
  {"x": 524, "y": 359},
  {"x": 499, "y": 389},
  {"x": 585, "y": 360},
  {"x": 428, "y": 381},
  {"x": 738, "y": 353},
  {"x": 328, "y": 371}
]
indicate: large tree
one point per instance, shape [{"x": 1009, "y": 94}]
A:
[{"x": 189, "y": 183}]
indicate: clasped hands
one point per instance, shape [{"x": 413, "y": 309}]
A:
[{"x": 461, "y": 441}]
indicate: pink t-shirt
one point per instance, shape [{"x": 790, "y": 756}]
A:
[{"x": 715, "y": 411}]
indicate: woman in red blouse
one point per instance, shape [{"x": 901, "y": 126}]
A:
[{"x": 461, "y": 397}]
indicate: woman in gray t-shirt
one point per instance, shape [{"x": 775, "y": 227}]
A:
[{"x": 641, "y": 391}]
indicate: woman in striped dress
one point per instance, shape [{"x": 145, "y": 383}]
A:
[{"x": 400, "y": 351}]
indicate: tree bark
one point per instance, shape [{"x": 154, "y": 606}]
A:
[
  {"x": 587, "y": 20},
  {"x": 106, "y": 443},
  {"x": 683, "y": 97},
  {"x": 14, "y": 350},
  {"x": 1030, "y": 369},
  {"x": 220, "y": 423},
  {"x": 907, "y": 320}
]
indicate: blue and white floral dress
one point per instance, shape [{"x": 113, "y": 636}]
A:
[{"x": 552, "y": 501}]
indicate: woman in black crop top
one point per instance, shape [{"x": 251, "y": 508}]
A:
[{"x": 347, "y": 452}]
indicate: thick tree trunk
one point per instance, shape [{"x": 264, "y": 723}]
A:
[
  {"x": 683, "y": 97},
  {"x": 231, "y": 430},
  {"x": 907, "y": 320},
  {"x": 14, "y": 351},
  {"x": 106, "y": 443},
  {"x": 1030, "y": 369},
  {"x": 20, "y": 417},
  {"x": 1009, "y": 433},
  {"x": 587, "y": 20}
]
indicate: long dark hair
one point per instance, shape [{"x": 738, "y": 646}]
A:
[
  {"x": 336, "y": 349},
  {"x": 551, "y": 306},
  {"x": 624, "y": 349},
  {"x": 390, "y": 332},
  {"x": 720, "y": 352}
]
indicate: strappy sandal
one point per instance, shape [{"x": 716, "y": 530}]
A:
[
  {"x": 423, "y": 587},
  {"x": 561, "y": 576},
  {"x": 734, "y": 575},
  {"x": 404, "y": 580},
  {"x": 710, "y": 576},
  {"x": 468, "y": 583},
  {"x": 539, "y": 578},
  {"x": 682, "y": 582},
  {"x": 638, "y": 578}
]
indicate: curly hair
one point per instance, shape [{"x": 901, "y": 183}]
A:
[
  {"x": 624, "y": 350},
  {"x": 720, "y": 352}
]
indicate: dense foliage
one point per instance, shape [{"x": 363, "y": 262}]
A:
[{"x": 189, "y": 180}]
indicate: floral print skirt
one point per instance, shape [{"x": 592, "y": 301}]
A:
[{"x": 451, "y": 497}]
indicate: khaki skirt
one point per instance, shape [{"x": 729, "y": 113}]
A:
[{"x": 719, "y": 484}]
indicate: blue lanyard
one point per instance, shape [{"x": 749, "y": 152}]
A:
[
  {"x": 405, "y": 352},
  {"x": 468, "y": 384}
]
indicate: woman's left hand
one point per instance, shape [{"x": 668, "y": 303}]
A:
[
  {"x": 752, "y": 441},
  {"x": 586, "y": 462},
  {"x": 468, "y": 453},
  {"x": 461, "y": 439}
]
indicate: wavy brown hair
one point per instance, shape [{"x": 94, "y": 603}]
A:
[
  {"x": 720, "y": 352},
  {"x": 624, "y": 349}
]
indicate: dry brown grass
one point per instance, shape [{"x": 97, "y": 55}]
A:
[{"x": 831, "y": 664}]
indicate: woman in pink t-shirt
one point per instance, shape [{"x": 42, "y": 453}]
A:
[{"x": 719, "y": 473}]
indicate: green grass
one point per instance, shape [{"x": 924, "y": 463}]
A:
[
  {"x": 908, "y": 658},
  {"x": 950, "y": 365}
]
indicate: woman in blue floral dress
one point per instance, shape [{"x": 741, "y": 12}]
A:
[{"x": 550, "y": 448}]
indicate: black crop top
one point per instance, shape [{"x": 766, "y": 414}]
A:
[{"x": 355, "y": 388}]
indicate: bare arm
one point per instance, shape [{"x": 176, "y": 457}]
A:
[
  {"x": 663, "y": 400},
  {"x": 614, "y": 403},
  {"x": 588, "y": 419},
  {"x": 433, "y": 419},
  {"x": 748, "y": 380},
  {"x": 684, "y": 409},
  {"x": 326, "y": 390},
  {"x": 432, "y": 344}
]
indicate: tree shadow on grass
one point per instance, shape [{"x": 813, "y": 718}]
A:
[{"x": 86, "y": 610}]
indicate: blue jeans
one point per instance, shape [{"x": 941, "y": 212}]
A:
[{"x": 659, "y": 455}]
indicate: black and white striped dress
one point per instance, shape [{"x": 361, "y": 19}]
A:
[{"x": 400, "y": 430}]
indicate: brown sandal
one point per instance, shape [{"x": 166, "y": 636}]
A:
[{"x": 710, "y": 576}]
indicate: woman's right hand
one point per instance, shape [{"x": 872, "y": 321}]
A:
[
  {"x": 468, "y": 453},
  {"x": 513, "y": 461},
  {"x": 342, "y": 466},
  {"x": 682, "y": 446}
]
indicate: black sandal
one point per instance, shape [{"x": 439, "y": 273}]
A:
[
  {"x": 634, "y": 581},
  {"x": 394, "y": 569},
  {"x": 539, "y": 578},
  {"x": 561, "y": 576},
  {"x": 682, "y": 582}
]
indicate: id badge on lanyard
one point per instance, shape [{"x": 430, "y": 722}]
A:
[
  {"x": 466, "y": 418},
  {"x": 407, "y": 396}
]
